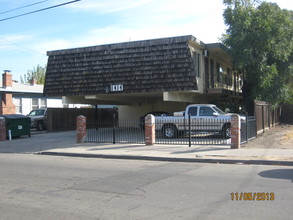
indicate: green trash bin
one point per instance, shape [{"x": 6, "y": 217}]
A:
[{"x": 17, "y": 125}]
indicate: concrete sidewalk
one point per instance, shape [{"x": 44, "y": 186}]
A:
[
  {"x": 180, "y": 153},
  {"x": 63, "y": 144}
]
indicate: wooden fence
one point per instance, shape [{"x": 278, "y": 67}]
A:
[
  {"x": 266, "y": 116},
  {"x": 64, "y": 119},
  {"x": 287, "y": 114}
]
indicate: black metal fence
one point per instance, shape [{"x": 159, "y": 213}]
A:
[
  {"x": 248, "y": 129},
  {"x": 212, "y": 131},
  {"x": 190, "y": 131},
  {"x": 113, "y": 131}
]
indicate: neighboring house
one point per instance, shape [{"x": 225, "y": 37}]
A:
[
  {"x": 20, "y": 98},
  {"x": 142, "y": 76}
]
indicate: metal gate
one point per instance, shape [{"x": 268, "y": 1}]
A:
[
  {"x": 194, "y": 132},
  {"x": 113, "y": 131}
]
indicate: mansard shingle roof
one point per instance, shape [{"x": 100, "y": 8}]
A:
[{"x": 141, "y": 66}]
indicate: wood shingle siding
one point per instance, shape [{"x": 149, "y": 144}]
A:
[{"x": 142, "y": 66}]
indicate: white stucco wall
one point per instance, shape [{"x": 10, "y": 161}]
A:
[
  {"x": 134, "y": 112},
  {"x": 26, "y": 105},
  {"x": 54, "y": 103}
]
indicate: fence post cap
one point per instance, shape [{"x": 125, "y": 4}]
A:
[{"x": 149, "y": 119}]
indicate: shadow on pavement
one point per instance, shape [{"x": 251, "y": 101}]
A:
[
  {"x": 278, "y": 174},
  {"x": 130, "y": 146},
  {"x": 39, "y": 142},
  {"x": 201, "y": 150}
]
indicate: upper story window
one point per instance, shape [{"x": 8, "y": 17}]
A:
[{"x": 196, "y": 62}]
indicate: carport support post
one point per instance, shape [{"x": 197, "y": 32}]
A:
[
  {"x": 80, "y": 129},
  {"x": 150, "y": 134},
  {"x": 235, "y": 131},
  {"x": 2, "y": 129}
]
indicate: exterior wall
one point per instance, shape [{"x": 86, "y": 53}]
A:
[
  {"x": 26, "y": 104},
  {"x": 200, "y": 78},
  {"x": 134, "y": 112},
  {"x": 54, "y": 103}
]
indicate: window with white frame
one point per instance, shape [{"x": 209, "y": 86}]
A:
[
  {"x": 39, "y": 103},
  {"x": 17, "y": 104},
  {"x": 35, "y": 104},
  {"x": 43, "y": 103}
]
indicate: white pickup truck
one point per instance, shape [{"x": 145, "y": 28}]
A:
[{"x": 203, "y": 117}]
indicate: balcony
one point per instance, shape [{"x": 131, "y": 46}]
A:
[{"x": 224, "y": 83}]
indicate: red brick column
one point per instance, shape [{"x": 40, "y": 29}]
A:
[
  {"x": 6, "y": 104},
  {"x": 150, "y": 134},
  {"x": 2, "y": 129},
  {"x": 235, "y": 131},
  {"x": 80, "y": 129}
]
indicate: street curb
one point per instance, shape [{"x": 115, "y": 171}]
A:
[{"x": 171, "y": 159}]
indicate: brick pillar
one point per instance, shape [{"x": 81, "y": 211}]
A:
[
  {"x": 150, "y": 134},
  {"x": 235, "y": 131},
  {"x": 2, "y": 129},
  {"x": 80, "y": 129}
]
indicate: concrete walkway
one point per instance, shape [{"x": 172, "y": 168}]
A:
[{"x": 63, "y": 144}]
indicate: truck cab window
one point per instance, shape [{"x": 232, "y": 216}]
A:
[
  {"x": 206, "y": 111},
  {"x": 192, "y": 111}
]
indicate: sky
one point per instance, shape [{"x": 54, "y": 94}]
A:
[{"x": 25, "y": 40}]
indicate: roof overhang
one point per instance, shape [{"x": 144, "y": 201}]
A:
[
  {"x": 219, "y": 50},
  {"x": 133, "y": 98}
]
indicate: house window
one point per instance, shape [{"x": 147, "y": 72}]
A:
[
  {"x": 35, "y": 104},
  {"x": 43, "y": 103},
  {"x": 196, "y": 62},
  {"x": 17, "y": 103}
]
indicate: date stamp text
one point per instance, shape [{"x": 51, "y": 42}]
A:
[{"x": 253, "y": 196}]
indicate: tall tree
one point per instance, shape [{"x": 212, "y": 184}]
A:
[
  {"x": 259, "y": 36},
  {"x": 38, "y": 73}
]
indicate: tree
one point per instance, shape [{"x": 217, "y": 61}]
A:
[
  {"x": 259, "y": 36},
  {"x": 38, "y": 73}
]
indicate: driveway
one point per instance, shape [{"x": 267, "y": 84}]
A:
[{"x": 39, "y": 141}]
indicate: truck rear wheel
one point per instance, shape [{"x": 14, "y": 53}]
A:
[{"x": 170, "y": 131}]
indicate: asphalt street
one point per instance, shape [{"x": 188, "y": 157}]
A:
[{"x": 46, "y": 187}]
